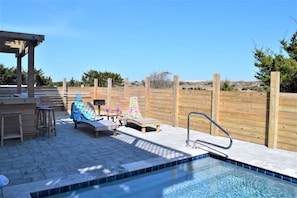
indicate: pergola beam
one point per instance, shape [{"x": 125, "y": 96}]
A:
[
  {"x": 21, "y": 44},
  {"x": 21, "y": 36},
  {"x": 6, "y": 49}
]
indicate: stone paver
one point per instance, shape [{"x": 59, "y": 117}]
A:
[{"x": 75, "y": 155}]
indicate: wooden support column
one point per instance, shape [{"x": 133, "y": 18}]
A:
[
  {"x": 109, "y": 86},
  {"x": 147, "y": 97},
  {"x": 273, "y": 109},
  {"x": 175, "y": 101},
  {"x": 19, "y": 74},
  {"x": 30, "y": 81},
  {"x": 215, "y": 103}
]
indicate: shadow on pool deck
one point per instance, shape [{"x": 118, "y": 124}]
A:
[{"x": 75, "y": 155}]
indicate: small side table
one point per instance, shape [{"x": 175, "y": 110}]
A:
[
  {"x": 112, "y": 116},
  {"x": 4, "y": 135}
]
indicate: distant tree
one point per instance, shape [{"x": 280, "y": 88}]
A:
[
  {"x": 269, "y": 61},
  {"x": 71, "y": 82},
  {"x": 9, "y": 76},
  {"x": 227, "y": 86},
  {"x": 74, "y": 83},
  {"x": 58, "y": 84},
  {"x": 88, "y": 78},
  {"x": 2, "y": 73},
  {"x": 41, "y": 79},
  {"x": 160, "y": 80}
]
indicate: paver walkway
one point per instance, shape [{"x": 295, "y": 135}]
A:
[{"x": 75, "y": 155}]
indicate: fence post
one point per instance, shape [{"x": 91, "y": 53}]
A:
[
  {"x": 65, "y": 94},
  {"x": 95, "y": 88},
  {"x": 175, "y": 101},
  {"x": 273, "y": 109},
  {"x": 126, "y": 86},
  {"x": 215, "y": 103},
  {"x": 124, "y": 100},
  {"x": 147, "y": 97},
  {"x": 109, "y": 86}
]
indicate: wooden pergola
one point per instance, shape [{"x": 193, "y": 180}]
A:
[{"x": 21, "y": 44}]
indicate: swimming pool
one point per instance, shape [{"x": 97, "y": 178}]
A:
[{"x": 206, "y": 177}]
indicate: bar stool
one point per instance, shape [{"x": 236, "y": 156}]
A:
[
  {"x": 40, "y": 115},
  {"x": 4, "y": 135},
  {"x": 46, "y": 119}
]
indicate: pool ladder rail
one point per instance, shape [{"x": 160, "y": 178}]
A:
[{"x": 202, "y": 141}]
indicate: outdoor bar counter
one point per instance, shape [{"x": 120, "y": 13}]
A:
[{"x": 27, "y": 107}]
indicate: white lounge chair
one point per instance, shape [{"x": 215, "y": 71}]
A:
[
  {"x": 84, "y": 113},
  {"x": 134, "y": 116}
]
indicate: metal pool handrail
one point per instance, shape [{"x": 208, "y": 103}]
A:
[{"x": 213, "y": 122}]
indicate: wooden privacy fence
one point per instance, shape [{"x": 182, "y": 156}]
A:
[{"x": 264, "y": 118}]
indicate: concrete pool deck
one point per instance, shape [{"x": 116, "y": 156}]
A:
[{"x": 75, "y": 155}]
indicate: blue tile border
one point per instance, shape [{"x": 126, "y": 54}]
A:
[
  {"x": 108, "y": 179},
  {"x": 257, "y": 169}
]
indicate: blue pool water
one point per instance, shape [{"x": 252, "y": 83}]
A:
[{"x": 207, "y": 177}]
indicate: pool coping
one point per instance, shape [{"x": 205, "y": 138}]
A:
[
  {"x": 147, "y": 169},
  {"x": 33, "y": 189}
]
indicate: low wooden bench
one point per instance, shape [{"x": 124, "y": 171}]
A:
[{"x": 145, "y": 122}]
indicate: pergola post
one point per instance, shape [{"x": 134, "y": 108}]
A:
[
  {"x": 31, "y": 70},
  {"x": 19, "y": 74}
]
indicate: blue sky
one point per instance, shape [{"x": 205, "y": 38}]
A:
[{"x": 193, "y": 39}]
